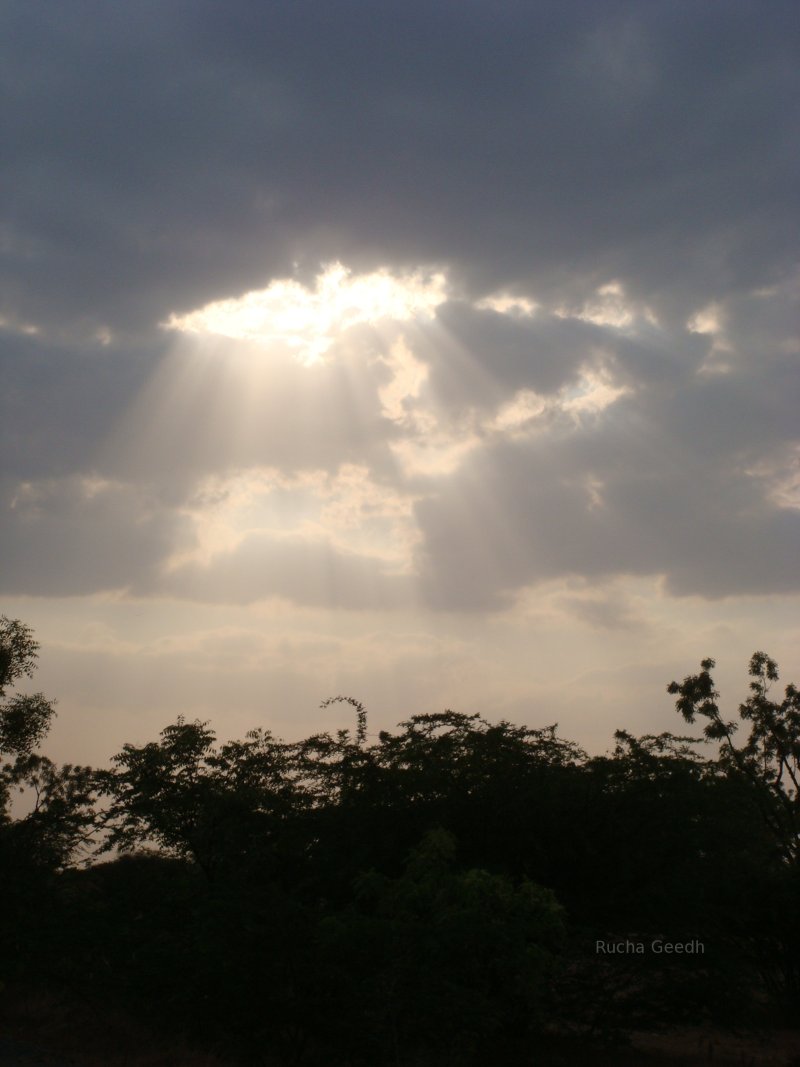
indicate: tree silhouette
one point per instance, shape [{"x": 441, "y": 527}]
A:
[
  {"x": 770, "y": 758},
  {"x": 433, "y": 895}
]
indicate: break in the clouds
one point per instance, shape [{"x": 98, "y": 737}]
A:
[{"x": 410, "y": 309}]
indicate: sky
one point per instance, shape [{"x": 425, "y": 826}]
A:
[{"x": 442, "y": 355}]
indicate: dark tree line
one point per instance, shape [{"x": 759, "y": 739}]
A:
[{"x": 437, "y": 893}]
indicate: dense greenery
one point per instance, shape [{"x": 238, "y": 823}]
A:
[{"x": 435, "y": 896}]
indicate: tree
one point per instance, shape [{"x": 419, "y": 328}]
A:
[
  {"x": 36, "y": 846},
  {"x": 62, "y": 815},
  {"x": 769, "y": 761},
  {"x": 222, "y": 807},
  {"x": 24, "y": 719},
  {"x": 767, "y": 767}
]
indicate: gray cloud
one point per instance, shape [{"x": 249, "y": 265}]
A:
[
  {"x": 650, "y": 486},
  {"x": 59, "y": 402},
  {"x": 480, "y": 358},
  {"x": 165, "y": 155},
  {"x": 75, "y": 536}
]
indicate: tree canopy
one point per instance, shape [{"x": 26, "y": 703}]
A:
[{"x": 438, "y": 891}]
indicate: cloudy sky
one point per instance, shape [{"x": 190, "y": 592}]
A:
[{"x": 438, "y": 354}]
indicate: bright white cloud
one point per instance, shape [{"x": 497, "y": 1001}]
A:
[
  {"x": 408, "y": 375},
  {"x": 508, "y": 304},
  {"x": 309, "y": 320}
]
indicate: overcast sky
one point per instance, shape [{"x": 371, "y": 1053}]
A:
[{"x": 438, "y": 354}]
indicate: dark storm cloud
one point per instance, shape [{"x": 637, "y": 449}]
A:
[{"x": 163, "y": 154}]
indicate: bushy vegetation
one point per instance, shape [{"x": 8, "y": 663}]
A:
[{"x": 434, "y": 896}]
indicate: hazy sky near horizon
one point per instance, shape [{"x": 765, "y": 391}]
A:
[{"x": 442, "y": 355}]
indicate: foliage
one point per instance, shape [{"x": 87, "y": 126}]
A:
[
  {"x": 769, "y": 761},
  {"x": 36, "y": 846},
  {"x": 18, "y": 651},
  {"x": 432, "y": 895},
  {"x": 443, "y": 958},
  {"x": 62, "y": 815},
  {"x": 24, "y": 720},
  {"x": 218, "y": 807}
]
